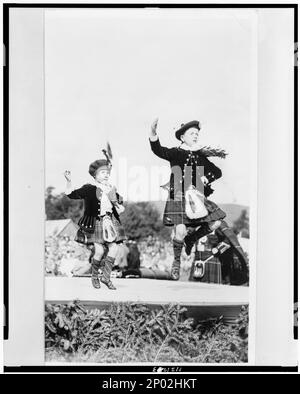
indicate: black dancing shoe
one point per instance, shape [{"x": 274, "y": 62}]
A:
[
  {"x": 108, "y": 283},
  {"x": 96, "y": 282}
]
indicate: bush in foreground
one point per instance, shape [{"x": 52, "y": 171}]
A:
[{"x": 127, "y": 332}]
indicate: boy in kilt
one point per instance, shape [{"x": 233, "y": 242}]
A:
[
  {"x": 100, "y": 224},
  {"x": 190, "y": 167}
]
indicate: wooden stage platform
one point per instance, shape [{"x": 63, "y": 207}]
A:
[{"x": 202, "y": 300}]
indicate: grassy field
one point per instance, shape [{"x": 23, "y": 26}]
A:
[{"x": 127, "y": 332}]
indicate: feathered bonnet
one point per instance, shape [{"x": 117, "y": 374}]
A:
[{"x": 104, "y": 164}]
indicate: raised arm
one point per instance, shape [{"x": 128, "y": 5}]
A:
[
  {"x": 157, "y": 149},
  {"x": 74, "y": 194}
]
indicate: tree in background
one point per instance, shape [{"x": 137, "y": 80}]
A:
[
  {"x": 241, "y": 225},
  {"x": 139, "y": 219},
  {"x": 61, "y": 207},
  {"x": 142, "y": 219}
]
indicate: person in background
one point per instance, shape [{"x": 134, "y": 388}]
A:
[{"x": 133, "y": 261}]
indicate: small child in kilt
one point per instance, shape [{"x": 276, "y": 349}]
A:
[
  {"x": 190, "y": 167},
  {"x": 100, "y": 224}
]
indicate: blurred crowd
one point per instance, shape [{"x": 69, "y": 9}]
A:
[
  {"x": 158, "y": 254},
  {"x": 62, "y": 251},
  {"x": 66, "y": 257},
  {"x": 151, "y": 257}
]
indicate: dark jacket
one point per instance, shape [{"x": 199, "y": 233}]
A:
[
  {"x": 192, "y": 164},
  {"x": 92, "y": 205}
]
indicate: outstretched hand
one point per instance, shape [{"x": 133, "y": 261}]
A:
[
  {"x": 67, "y": 175},
  {"x": 154, "y": 127}
]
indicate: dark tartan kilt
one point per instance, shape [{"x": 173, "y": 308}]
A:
[
  {"x": 175, "y": 213},
  {"x": 212, "y": 272},
  {"x": 86, "y": 238}
]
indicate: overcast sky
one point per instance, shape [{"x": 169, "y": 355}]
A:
[{"x": 110, "y": 73}]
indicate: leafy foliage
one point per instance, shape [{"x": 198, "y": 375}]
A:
[
  {"x": 128, "y": 332},
  {"x": 61, "y": 207}
]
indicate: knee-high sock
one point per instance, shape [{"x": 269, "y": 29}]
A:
[
  {"x": 95, "y": 267},
  {"x": 102, "y": 261},
  {"x": 108, "y": 263},
  {"x": 177, "y": 249}
]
